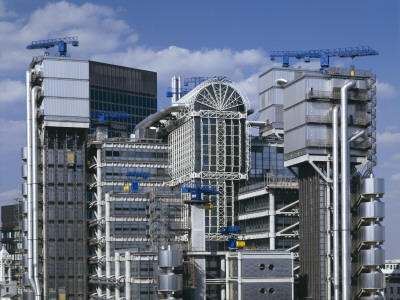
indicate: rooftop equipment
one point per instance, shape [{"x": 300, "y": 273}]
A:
[
  {"x": 60, "y": 42},
  {"x": 134, "y": 178},
  {"x": 322, "y": 54},
  {"x": 196, "y": 190}
]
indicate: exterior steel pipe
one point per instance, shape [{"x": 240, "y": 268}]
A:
[
  {"x": 127, "y": 275},
  {"x": 35, "y": 201},
  {"x": 99, "y": 195},
  {"x": 345, "y": 193},
  {"x": 108, "y": 243},
  {"x": 335, "y": 204},
  {"x": 272, "y": 213},
  {"x": 117, "y": 274},
  {"x": 29, "y": 177}
]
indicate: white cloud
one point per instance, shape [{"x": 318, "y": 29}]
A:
[
  {"x": 12, "y": 91},
  {"x": 388, "y": 137},
  {"x": 8, "y": 197},
  {"x": 395, "y": 177},
  {"x": 385, "y": 90},
  {"x": 97, "y": 27}
]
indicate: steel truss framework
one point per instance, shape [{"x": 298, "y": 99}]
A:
[{"x": 209, "y": 143}]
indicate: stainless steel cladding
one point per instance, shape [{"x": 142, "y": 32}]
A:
[
  {"x": 25, "y": 227},
  {"x": 371, "y": 234},
  {"x": 371, "y": 281},
  {"x": 65, "y": 68},
  {"x": 66, "y": 107},
  {"x": 372, "y": 187},
  {"x": 24, "y": 207},
  {"x": 25, "y": 242},
  {"x": 266, "y": 290},
  {"x": 266, "y": 268},
  {"x": 24, "y": 171},
  {"x": 270, "y": 97},
  {"x": 65, "y": 88},
  {"x": 268, "y": 79},
  {"x": 170, "y": 282},
  {"x": 372, "y": 257},
  {"x": 169, "y": 258},
  {"x": 272, "y": 114},
  {"x": 24, "y": 153},
  {"x": 371, "y": 210}
]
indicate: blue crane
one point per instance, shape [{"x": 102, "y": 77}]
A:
[
  {"x": 196, "y": 190},
  {"x": 232, "y": 233},
  {"x": 323, "y": 54},
  {"x": 102, "y": 115},
  {"x": 195, "y": 80},
  {"x": 134, "y": 178},
  {"x": 60, "y": 42}
]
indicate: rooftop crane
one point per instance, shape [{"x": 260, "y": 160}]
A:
[
  {"x": 60, "y": 42},
  {"x": 195, "y": 80},
  {"x": 232, "y": 233},
  {"x": 134, "y": 178},
  {"x": 323, "y": 54},
  {"x": 196, "y": 190}
]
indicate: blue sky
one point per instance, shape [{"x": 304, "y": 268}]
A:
[{"x": 205, "y": 38}]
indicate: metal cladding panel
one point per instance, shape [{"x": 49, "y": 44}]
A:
[
  {"x": 371, "y": 234},
  {"x": 295, "y": 139},
  {"x": 372, "y": 257},
  {"x": 294, "y": 116},
  {"x": 170, "y": 282},
  {"x": 374, "y": 210},
  {"x": 267, "y": 268},
  {"x": 65, "y": 88},
  {"x": 371, "y": 281},
  {"x": 267, "y": 80},
  {"x": 269, "y": 97},
  {"x": 169, "y": 258},
  {"x": 24, "y": 203},
  {"x": 24, "y": 153},
  {"x": 298, "y": 91},
  {"x": 25, "y": 224},
  {"x": 372, "y": 187},
  {"x": 65, "y": 68},
  {"x": 272, "y": 114},
  {"x": 24, "y": 171},
  {"x": 66, "y": 107},
  {"x": 267, "y": 290}
]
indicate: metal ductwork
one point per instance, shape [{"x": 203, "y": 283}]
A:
[{"x": 169, "y": 283}]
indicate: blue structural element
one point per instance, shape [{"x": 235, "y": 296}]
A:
[
  {"x": 197, "y": 189},
  {"x": 323, "y": 54},
  {"x": 134, "y": 178},
  {"x": 60, "y": 42},
  {"x": 102, "y": 115},
  {"x": 197, "y": 80},
  {"x": 182, "y": 92},
  {"x": 231, "y": 232}
]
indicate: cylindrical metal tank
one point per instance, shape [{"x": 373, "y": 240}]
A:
[
  {"x": 28, "y": 295},
  {"x": 24, "y": 207},
  {"x": 170, "y": 282},
  {"x": 24, "y": 171},
  {"x": 25, "y": 261},
  {"x": 25, "y": 224},
  {"x": 24, "y": 190},
  {"x": 169, "y": 258},
  {"x": 25, "y": 242},
  {"x": 372, "y": 257},
  {"x": 371, "y": 210},
  {"x": 371, "y": 281},
  {"x": 24, "y": 153},
  {"x": 25, "y": 279},
  {"x": 371, "y": 234},
  {"x": 374, "y": 187}
]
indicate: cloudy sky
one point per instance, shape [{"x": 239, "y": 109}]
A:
[{"x": 204, "y": 38}]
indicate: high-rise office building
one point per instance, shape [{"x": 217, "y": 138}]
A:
[{"x": 62, "y": 94}]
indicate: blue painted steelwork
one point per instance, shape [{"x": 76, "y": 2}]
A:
[
  {"x": 323, "y": 54},
  {"x": 182, "y": 92},
  {"x": 102, "y": 115},
  {"x": 197, "y": 80},
  {"x": 232, "y": 233},
  {"x": 60, "y": 42},
  {"x": 134, "y": 178},
  {"x": 197, "y": 189}
]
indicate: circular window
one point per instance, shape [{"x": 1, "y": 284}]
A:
[
  {"x": 271, "y": 290},
  {"x": 271, "y": 267},
  {"x": 263, "y": 291},
  {"x": 262, "y": 267}
]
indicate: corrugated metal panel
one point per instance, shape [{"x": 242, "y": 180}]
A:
[
  {"x": 272, "y": 114},
  {"x": 295, "y": 116},
  {"x": 65, "y": 88},
  {"x": 66, "y": 107},
  {"x": 269, "y": 97},
  {"x": 267, "y": 80},
  {"x": 65, "y": 68},
  {"x": 295, "y": 139}
]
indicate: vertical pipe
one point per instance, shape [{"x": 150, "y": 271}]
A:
[
  {"x": 328, "y": 232},
  {"x": 335, "y": 204},
  {"x": 117, "y": 275},
  {"x": 99, "y": 193},
  {"x": 239, "y": 261},
  {"x": 29, "y": 178},
  {"x": 272, "y": 214},
  {"x": 345, "y": 193},
  {"x": 127, "y": 275},
  {"x": 223, "y": 273},
  {"x": 108, "y": 242},
  {"x": 35, "y": 200}
]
